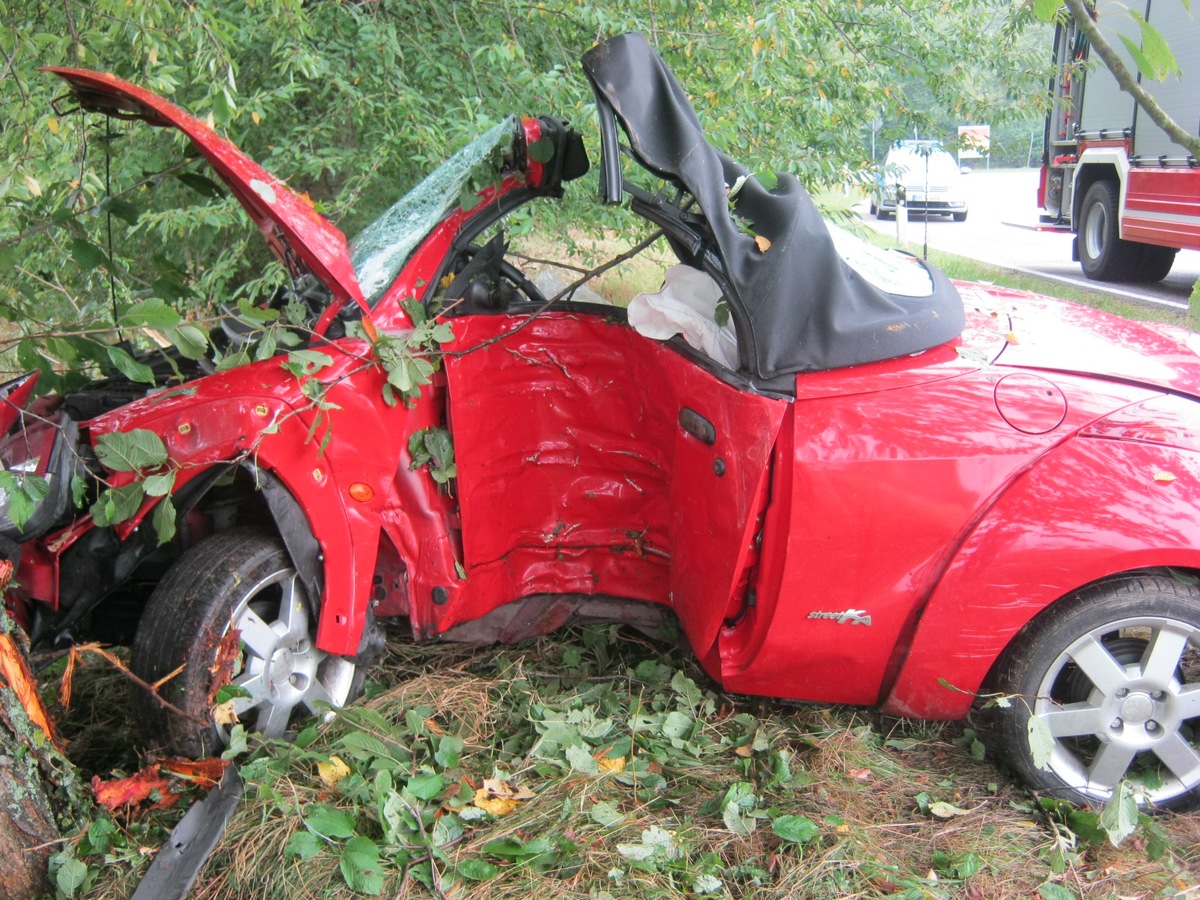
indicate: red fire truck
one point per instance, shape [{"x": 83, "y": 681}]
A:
[{"x": 1109, "y": 174}]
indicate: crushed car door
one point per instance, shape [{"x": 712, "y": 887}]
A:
[{"x": 719, "y": 489}]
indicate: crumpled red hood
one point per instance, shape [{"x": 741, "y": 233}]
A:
[{"x": 292, "y": 227}]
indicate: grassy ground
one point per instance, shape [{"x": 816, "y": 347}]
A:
[{"x": 596, "y": 764}]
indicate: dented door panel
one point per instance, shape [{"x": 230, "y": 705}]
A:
[{"x": 576, "y": 476}]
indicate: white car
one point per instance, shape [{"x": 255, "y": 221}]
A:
[{"x": 930, "y": 176}]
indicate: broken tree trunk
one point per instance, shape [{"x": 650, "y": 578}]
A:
[{"x": 37, "y": 783}]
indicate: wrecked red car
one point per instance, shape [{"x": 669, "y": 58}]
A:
[{"x": 847, "y": 479}]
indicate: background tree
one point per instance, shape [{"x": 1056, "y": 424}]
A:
[{"x": 353, "y": 101}]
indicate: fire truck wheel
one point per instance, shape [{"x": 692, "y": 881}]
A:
[
  {"x": 230, "y": 630},
  {"x": 1103, "y": 689},
  {"x": 1102, "y": 254},
  {"x": 1156, "y": 263}
]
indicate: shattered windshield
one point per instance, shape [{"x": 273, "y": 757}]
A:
[{"x": 381, "y": 249}]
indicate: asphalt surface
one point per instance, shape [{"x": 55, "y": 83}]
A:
[{"x": 1001, "y": 229}]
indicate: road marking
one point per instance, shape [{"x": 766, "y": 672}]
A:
[{"x": 1092, "y": 286}]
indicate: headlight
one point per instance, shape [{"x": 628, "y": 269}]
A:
[{"x": 44, "y": 449}]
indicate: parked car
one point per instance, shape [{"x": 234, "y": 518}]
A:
[
  {"x": 930, "y": 177},
  {"x": 898, "y": 492}
]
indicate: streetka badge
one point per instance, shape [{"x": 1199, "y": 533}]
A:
[{"x": 847, "y": 617}]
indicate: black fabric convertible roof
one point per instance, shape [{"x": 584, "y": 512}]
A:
[{"x": 798, "y": 306}]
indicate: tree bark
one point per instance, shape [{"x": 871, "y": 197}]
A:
[{"x": 29, "y": 832}]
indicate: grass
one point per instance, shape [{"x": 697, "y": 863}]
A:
[
  {"x": 640, "y": 780},
  {"x": 595, "y": 764}
]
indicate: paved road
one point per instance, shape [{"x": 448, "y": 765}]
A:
[{"x": 1000, "y": 229}]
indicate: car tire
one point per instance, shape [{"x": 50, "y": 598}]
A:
[
  {"x": 959, "y": 217},
  {"x": 1112, "y": 675},
  {"x": 1103, "y": 255},
  {"x": 239, "y": 579}
]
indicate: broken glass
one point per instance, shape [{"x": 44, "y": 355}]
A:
[{"x": 381, "y": 249}]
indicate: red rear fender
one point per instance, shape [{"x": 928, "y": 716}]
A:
[{"x": 1094, "y": 508}]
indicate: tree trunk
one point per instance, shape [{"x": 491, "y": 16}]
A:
[{"x": 28, "y": 757}]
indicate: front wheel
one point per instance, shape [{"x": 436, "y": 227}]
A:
[
  {"x": 232, "y": 610},
  {"x": 1108, "y": 682}
]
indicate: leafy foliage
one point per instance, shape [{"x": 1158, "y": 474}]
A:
[{"x": 108, "y": 232}]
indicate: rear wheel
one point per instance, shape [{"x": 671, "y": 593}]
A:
[
  {"x": 233, "y": 611},
  {"x": 1109, "y": 681}
]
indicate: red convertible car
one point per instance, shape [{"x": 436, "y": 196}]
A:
[{"x": 847, "y": 479}]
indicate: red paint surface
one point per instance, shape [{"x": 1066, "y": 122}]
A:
[{"x": 945, "y": 497}]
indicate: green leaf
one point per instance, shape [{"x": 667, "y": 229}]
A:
[
  {"x": 581, "y": 760},
  {"x": 122, "y": 209},
  {"x": 1051, "y": 891},
  {"x": 684, "y": 686},
  {"x": 163, "y": 521},
  {"x": 307, "y": 362},
  {"x": 117, "y": 505},
  {"x": 541, "y": 150},
  {"x": 229, "y": 692},
  {"x": 426, "y": 786},
  {"x": 1119, "y": 818},
  {"x": 1046, "y": 10},
  {"x": 70, "y": 876},
  {"x": 202, "y": 185},
  {"x": 152, "y": 313},
  {"x": 329, "y": 821},
  {"x": 131, "y": 451},
  {"x": 477, "y": 870},
  {"x": 88, "y": 255},
  {"x": 1155, "y": 52},
  {"x": 606, "y": 813},
  {"x": 191, "y": 341},
  {"x": 361, "y": 866},
  {"x": 796, "y": 829},
  {"x": 303, "y": 845},
  {"x": 159, "y": 485},
  {"x": 100, "y": 833},
  {"x": 130, "y": 367},
  {"x": 449, "y": 750},
  {"x": 656, "y": 842},
  {"x": 1041, "y": 742}
]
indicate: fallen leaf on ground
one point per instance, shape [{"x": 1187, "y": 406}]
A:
[
  {"x": 333, "y": 771},
  {"x": 946, "y": 810},
  {"x": 500, "y": 797}
]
